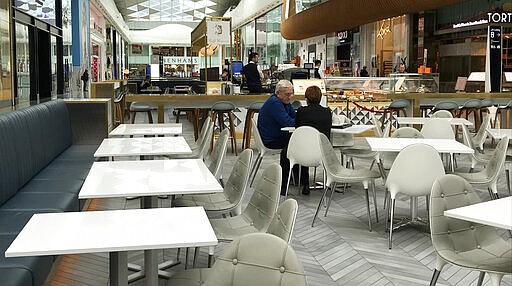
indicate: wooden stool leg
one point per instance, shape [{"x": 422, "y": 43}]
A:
[
  {"x": 133, "y": 116},
  {"x": 233, "y": 132},
  {"x": 150, "y": 116},
  {"x": 249, "y": 131}
]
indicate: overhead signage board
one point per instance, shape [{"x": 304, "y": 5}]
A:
[
  {"x": 495, "y": 49},
  {"x": 180, "y": 60},
  {"x": 345, "y": 37},
  {"x": 218, "y": 32}
]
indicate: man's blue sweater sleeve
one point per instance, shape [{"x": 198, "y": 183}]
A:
[{"x": 284, "y": 115}]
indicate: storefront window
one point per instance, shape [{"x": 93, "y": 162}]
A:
[
  {"x": 5, "y": 60},
  {"x": 66, "y": 40},
  {"x": 23, "y": 62},
  {"x": 53, "y": 52},
  {"x": 261, "y": 39}
]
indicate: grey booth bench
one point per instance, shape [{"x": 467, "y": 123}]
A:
[{"x": 40, "y": 171}]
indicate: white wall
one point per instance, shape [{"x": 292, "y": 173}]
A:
[{"x": 321, "y": 49}]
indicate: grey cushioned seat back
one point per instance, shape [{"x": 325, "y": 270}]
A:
[
  {"x": 237, "y": 182},
  {"x": 264, "y": 201},
  {"x": 472, "y": 103},
  {"x": 284, "y": 220},
  {"x": 257, "y": 259},
  {"x": 15, "y": 161},
  {"x": 60, "y": 125},
  {"x": 218, "y": 153},
  {"x": 463, "y": 242},
  {"x": 486, "y": 102},
  {"x": 256, "y": 105}
]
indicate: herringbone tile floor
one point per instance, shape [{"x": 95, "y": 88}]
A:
[{"x": 339, "y": 250}]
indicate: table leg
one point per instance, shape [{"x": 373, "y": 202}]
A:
[
  {"x": 414, "y": 208},
  {"x": 452, "y": 165},
  {"x": 151, "y": 267},
  {"x": 118, "y": 270}
]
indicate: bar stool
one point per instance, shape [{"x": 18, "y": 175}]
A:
[
  {"x": 450, "y": 106},
  {"x": 425, "y": 109},
  {"x": 398, "y": 105},
  {"x": 470, "y": 106},
  {"x": 251, "y": 110},
  {"x": 141, "y": 107},
  {"x": 507, "y": 109},
  {"x": 220, "y": 108}
]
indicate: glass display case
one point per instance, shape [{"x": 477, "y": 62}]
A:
[
  {"x": 367, "y": 88},
  {"x": 414, "y": 82}
]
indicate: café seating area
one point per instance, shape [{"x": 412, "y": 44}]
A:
[{"x": 339, "y": 250}]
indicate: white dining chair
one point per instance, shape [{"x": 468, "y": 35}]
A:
[{"x": 260, "y": 147}]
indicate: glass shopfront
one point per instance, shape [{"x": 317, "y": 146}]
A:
[{"x": 5, "y": 59}]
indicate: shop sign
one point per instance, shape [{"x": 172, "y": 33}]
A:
[
  {"x": 345, "y": 36},
  {"x": 495, "y": 44},
  {"x": 500, "y": 17},
  {"x": 180, "y": 60},
  {"x": 218, "y": 32}
]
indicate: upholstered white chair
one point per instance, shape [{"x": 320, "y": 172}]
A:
[
  {"x": 262, "y": 150},
  {"x": 336, "y": 173},
  {"x": 437, "y": 128},
  {"x": 488, "y": 177},
  {"x": 229, "y": 201},
  {"x": 463, "y": 243},
  {"x": 216, "y": 158},
  {"x": 301, "y": 151},
  {"x": 201, "y": 146},
  {"x": 413, "y": 172},
  {"x": 442, "y": 114},
  {"x": 284, "y": 220},
  {"x": 476, "y": 157},
  {"x": 251, "y": 260},
  {"x": 481, "y": 134}
]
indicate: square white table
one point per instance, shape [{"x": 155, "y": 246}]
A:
[
  {"x": 497, "y": 213},
  {"x": 499, "y": 133},
  {"x": 150, "y": 178},
  {"x": 110, "y": 231},
  {"x": 422, "y": 120},
  {"x": 147, "y": 129},
  {"x": 151, "y": 146}
]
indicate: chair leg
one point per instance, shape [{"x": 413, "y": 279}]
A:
[
  {"x": 178, "y": 112},
  {"x": 392, "y": 212},
  {"x": 435, "y": 276},
  {"x": 150, "y": 116},
  {"x": 330, "y": 198},
  {"x": 375, "y": 201},
  {"x": 196, "y": 253},
  {"x": 257, "y": 166},
  {"x": 133, "y": 116},
  {"x": 507, "y": 174},
  {"x": 288, "y": 183},
  {"x": 480, "y": 278},
  {"x": 319, "y": 204},
  {"x": 186, "y": 258},
  {"x": 368, "y": 208},
  {"x": 233, "y": 132}
]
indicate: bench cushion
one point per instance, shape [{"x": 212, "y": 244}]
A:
[
  {"x": 15, "y": 276},
  {"x": 72, "y": 186},
  {"x": 39, "y": 266},
  {"x": 42, "y": 201},
  {"x": 12, "y": 222}
]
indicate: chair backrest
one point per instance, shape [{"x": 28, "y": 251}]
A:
[
  {"x": 257, "y": 259},
  {"x": 438, "y": 128},
  {"x": 341, "y": 139},
  {"x": 204, "y": 130},
  {"x": 399, "y": 103},
  {"x": 481, "y": 134},
  {"x": 442, "y": 114},
  {"x": 223, "y": 106},
  {"x": 204, "y": 145},
  {"x": 497, "y": 159},
  {"x": 451, "y": 235},
  {"x": 330, "y": 160},
  {"x": 218, "y": 154},
  {"x": 263, "y": 203},
  {"x": 472, "y": 103},
  {"x": 300, "y": 149},
  {"x": 414, "y": 171},
  {"x": 284, "y": 220},
  {"x": 466, "y": 136},
  {"x": 403, "y": 132},
  {"x": 237, "y": 182},
  {"x": 376, "y": 123},
  {"x": 486, "y": 102},
  {"x": 258, "y": 142}
]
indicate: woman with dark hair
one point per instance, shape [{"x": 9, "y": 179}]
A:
[{"x": 316, "y": 116}]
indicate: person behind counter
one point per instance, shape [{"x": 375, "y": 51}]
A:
[
  {"x": 364, "y": 72},
  {"x": 316, "y": 116},
  {"x": 252, "y": 74},
  {"x": 146, "y": 83},
  {"x": 318, "y": 72},
  {"x": 401, "y": 68},
  {"x": 276, "y": 113}
]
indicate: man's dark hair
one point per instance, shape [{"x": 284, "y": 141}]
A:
[
  {"x": 317, "y": 62},
  {"x": 252, "y": 55}
]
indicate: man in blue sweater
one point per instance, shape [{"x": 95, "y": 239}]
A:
[{"x": 276, "y": 113}]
